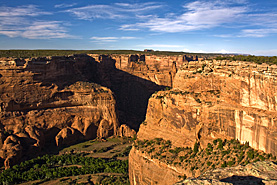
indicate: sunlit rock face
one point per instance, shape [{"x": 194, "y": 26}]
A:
[
  {"x": 246, "y": 104},
  {"x": 48, "y": 102},
  {"x": 255, "y": 173},
  {"x": 209, "y": 100}
]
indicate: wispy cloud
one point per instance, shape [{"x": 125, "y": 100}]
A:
[
  {"x": 46, "y": 30},
  {"x": 223, "y": 51},
  {"x": 64, "y": 5},
  {"x": 160, "y": 46},
  {"x": 197, "y": 15},
  {"x": 258, "y": 32},
  {"x": 26, "y": 10},
  {"x": 111, "y": 39},
  {"x": 22, "y": 21},
  {"x": 114, "y": 11}
]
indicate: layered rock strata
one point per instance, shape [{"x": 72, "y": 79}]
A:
[
  {"x": 209, "y": 100},
  {"x": 52, "y": 101}
]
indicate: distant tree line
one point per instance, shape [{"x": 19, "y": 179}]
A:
[
  {"x": 45, "y": 53},
  {"x": 250, "y": 58},
  {"x": 57, "y": 166}
]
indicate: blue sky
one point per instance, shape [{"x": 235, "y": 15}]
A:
[{"x": 240, "y": 26}]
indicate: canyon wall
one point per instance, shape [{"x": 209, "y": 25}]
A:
[
  {"x": 48, "y": 102},
  {"x": 133, "y": 79},
  {"x": 57, "y": 101},
  {"x": 209, "y": 100}
]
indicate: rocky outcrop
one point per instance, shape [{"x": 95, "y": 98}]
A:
[
  {"x": 68, "y": 136},
  {"x": 126, "y": 131},
  {"x": 210, "y": 100},
  {"x": 52, "y": 101},
  {"x": 254, "y": 173},
  {"x": 11, "y": 151},
  {"x": 146, "y": 170}
]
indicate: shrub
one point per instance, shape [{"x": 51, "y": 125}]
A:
[
  {"x": 210, "y": 146},
  {"x": 230, "y": 163},
  {"x": 196, "y": 147},
  {"x": 224, "y": 164},
  {"x": 215, "y": 141},
  {"x": 261, "y": 157},
  {"x": 220, "y": 144},
  {"x": 250, "y": 154}
]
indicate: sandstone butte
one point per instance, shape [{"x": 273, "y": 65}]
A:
[
  {"x": 57, "y": 101},
  {"x": 209, "y": 99}
]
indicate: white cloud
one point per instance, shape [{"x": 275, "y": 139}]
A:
[
  {"x": 160, "y": 46},
  {"x": 10, "y": 33},
  {"x": 64, "y": 5},
  {"x": 111, "y": 39},
  {"x": 223, "y": 51},
  {"x": 114, "y": 11},
  {"x": 128, "y": 38},
  {"x": 22, "y": 21},
  {"x": 198, "y": 15},
  {"x": 45, "y": 30},
  {"x": 104, "y": 39},
  {"x": 258, "y": 32},
  {"x": 27, "y": 10}
]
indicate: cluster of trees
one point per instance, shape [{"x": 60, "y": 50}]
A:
[
  {"x": 116, "y": 180},
  {"x": 56, "y": 166},
  {"x": 250, "y": 58},
  {"x": 219, "y": 153}
]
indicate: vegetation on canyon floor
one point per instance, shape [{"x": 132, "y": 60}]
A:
[
  {"x": 218, "y": 154},
  {"x": 105, "y": 162}
]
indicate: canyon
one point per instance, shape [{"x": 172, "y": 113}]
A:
[
  {"x": 210, "y": 99},
  {"x": 50, "y": 102},
  {"x": 53, "y": 102}
]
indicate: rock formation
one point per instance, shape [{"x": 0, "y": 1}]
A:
[
  {"x": 57, "y": 100},
  {"x": 255, "y": 173},
  {"x": 48, "y": 101},
  {"x": 209, "y": 100}
]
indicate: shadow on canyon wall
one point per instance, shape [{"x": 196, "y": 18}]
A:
[
  {"x": 131, "y": 92},
  {"x": 238, "y": 180}
]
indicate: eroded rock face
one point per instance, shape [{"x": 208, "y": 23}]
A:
[
  {"x": 52, "y": 101},
  {"x": 143, "y": 170},
  {"x": 68, "y": 136},
  {"x": 11, "y": 150},
  {"x": 126, "y": 131},
  {"x": 131, "y": 90},
  {"x": 210, "y": 100},
  {"x": 255, "y": 173}
]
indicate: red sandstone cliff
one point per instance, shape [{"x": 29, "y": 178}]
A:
[
  {"x": 209, "y": 100},
  {"x": 52, "y": 101}
]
